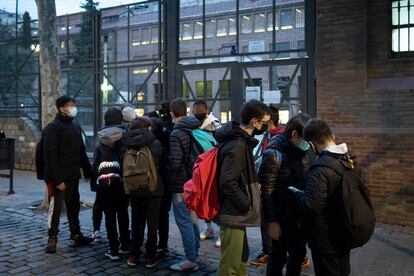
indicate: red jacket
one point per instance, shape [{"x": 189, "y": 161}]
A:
[{"x": 279, "y": 130}]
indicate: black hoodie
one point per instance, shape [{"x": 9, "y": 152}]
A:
[
  {"x": 138, "y": 138},
  {"x": 180, "y": 144},
  {"x": 235, "y": 171}
]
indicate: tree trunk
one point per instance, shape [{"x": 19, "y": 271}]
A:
[{"x": 48, "y": 64}]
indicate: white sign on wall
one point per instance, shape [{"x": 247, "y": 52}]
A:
[
  {"x": 272, "y": 97},
  {"x": 252, "y": 93}
]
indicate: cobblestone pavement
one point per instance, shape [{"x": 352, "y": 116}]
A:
[{"x": 23, "y": 232}]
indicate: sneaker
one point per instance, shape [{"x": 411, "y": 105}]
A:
[
  {"x": 218, "y": 243},
  {"x": 185, "y": 265},
  {"x": 132, "y": 261},
  {"x": 207, "y": 234},
  {"x": 97, "y": 238},
  {"x": 305, "y": 262},
  {"x": 114, "y": 256},
  {"x": 79, "y": 240},
  {"x": 261, "y": 259},
  {"x": 51, "y": 245},
  {"x": 151, "y": 262}
]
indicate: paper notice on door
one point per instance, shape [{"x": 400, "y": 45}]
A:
[
  {"x": 252, "y": 93},
  {"x": 271, "y": 97}
]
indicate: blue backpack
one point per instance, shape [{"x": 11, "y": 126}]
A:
[{"x": 200, "y": 142}]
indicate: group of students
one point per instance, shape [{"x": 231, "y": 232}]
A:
[{"x": 297, "y": 203}]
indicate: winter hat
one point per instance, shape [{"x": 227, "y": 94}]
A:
[
  {"x": 128, "y": 114},
  {"x": 62, "y": 101}
]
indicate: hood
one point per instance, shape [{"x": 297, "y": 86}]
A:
[
  {"x": 233, "y": 130},
  {"x": 211, "y": 123},
  {"x": 341, "y": 153},
  {"x": 279, "y": 130},
  {"x": 281, "y": 143},
  {"x": 138, "y": 138},
  {"x": 188, "y": 122},
  {"x": 109, "y": 135}
]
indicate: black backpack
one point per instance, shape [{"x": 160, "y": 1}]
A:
[
  {"x": 108, "y": 168},
  {"x": 358, "y": 218},
  {"x": 40, "y": 162}
]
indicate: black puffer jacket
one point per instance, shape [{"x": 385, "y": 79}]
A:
[
  {"x": 180, "y": 143},
  {"x": 321, "y": 204},
  {"x": 232, "y": 169},
  {"x": 142, "y": 137},
  {"x": 64, "y": 151},
  {"x": 278, "y": 202}
]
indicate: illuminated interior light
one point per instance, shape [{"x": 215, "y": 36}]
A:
[
  {"x": 145, "y": 42},
  {"x": 140, "y": 71},
  {"x": 287, "y": 27},
  {"x": 198, "y": 37},
  {"x": 245, "y": 17},
  {"x": 221, "y": 34},
  {"x": 260, "y": 31},
  {"x": 299, "y": 11},
  {"x": 186, "y": 25},
  {"x": 187, "y": 38},
  {"x": 136, "y": 43},
  {"x": 231, "y": 19},
  {"x": 199, "y": 23},
  {"x": 262, "y": 15}
]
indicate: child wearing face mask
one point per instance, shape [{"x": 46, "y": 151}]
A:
[{"x": 285, "y": 164}]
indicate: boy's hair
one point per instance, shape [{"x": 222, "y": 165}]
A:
[
  {"x": 200, "y": 102},
  {"x": 274, "y": 115},
  {"x": 113, "y": 116},
  {"x": 140, "y": 123},
  {"x": 178, "y": 107},
  {"x": 165, "y": 108},
  {"x": 318, "y": 131},
  {"x": 156, "y": 124},
  {"x": 297, "y": 123},
  {"x": 153, "y": 114},
  {"x": 253, "y": 109}
]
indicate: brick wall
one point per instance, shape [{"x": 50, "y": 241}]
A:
[
  {"x": 27, "y": 134},
  {"x": 369, "y": 99}
]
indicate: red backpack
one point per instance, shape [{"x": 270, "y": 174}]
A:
[{"x": 201, "y": 192}]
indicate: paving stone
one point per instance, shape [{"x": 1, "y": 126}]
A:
[{"x": 19, "y": 269}]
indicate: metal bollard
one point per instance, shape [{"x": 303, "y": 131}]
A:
[{"x": 7, "y": 154}]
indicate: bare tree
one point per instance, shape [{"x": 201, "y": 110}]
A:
[{"x": 49, "y": 64}]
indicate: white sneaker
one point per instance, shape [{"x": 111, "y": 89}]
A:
[
  {"x": 112, "y": 255},
  {"x": 207, "y": 234},
  {"x": 97, "y": 238},
  {"x": 217, "y": 243}
]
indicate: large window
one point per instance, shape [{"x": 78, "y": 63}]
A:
[
  {"x": 286, "y": 19},
  {"x": 232, "y": 26},
  {"x": 210, "y": 28},
  {"x": 246, "y": 24},
  {"x": 200, "y": 89},
  {"x": 187, "y": 32},
  {"x": 259, "y": 22},
  {"x": 300, "y": 18},
  {"x": 402, "y": 33},
  {"x": 145, "y": 36},
  {"x": 221, "y": 27},
  {"x": 198, "y": 30},
  {"x": 136, "y": 37}
]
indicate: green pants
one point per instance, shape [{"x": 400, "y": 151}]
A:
[{"x": 234, "y": 251}]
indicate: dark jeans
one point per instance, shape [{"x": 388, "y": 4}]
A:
[
  {"x": 291, "y": 242},
  {"x": 71, "y": 198},
  {"x": 97, "y": 212},
  {"x": 266, "y": 240},
  {"x": 145, "y": 212},
  {"x": 115, "y": 206},
  {"x": 164, "y": 220},
  {"x": 331, "y": 264}
]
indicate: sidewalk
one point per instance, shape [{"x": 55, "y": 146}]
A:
[{"x": 390, "y": 252}]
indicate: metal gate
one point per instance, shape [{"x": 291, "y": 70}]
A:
[{"x": 227, "y": 86}]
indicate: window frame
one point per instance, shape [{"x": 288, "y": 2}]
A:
[{"x": 409, "y": 26}]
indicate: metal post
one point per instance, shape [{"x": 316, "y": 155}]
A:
[
  {"x": 171, "y": 38},
  {"x": 236, "y": 90},
  {"x": 310, "y": 44},
  {"x": 17, "y": 58},
  {"x": 11, "y": 154},
  {"x": 97, "y": 70}
]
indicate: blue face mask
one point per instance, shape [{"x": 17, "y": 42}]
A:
[{"x": 303, "y": 145}]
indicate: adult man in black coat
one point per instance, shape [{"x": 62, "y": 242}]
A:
[
  {"x": 236, "y": 177},
  {"x": 64, "y": 154}
]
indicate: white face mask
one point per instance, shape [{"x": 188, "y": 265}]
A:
[{"x": 72, "y": 111}]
